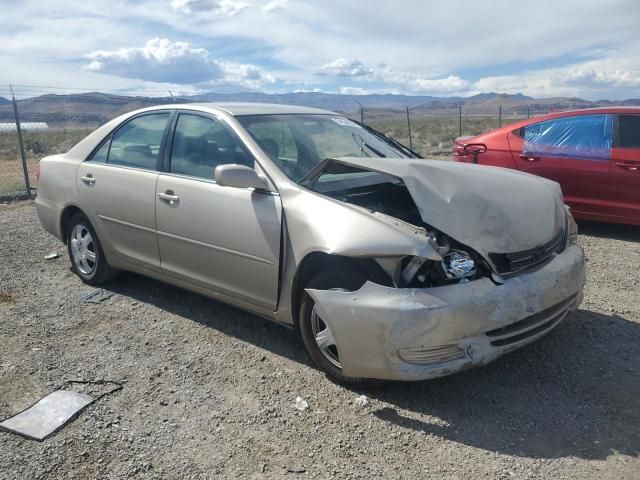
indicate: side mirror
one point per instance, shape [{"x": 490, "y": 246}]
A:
[
  {"x": 475, "y": 148},
  {"x": 239, "y": 176}
]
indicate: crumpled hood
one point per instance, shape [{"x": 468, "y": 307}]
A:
[{"x": 490, "y": 209}]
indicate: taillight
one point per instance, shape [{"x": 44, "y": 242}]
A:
[
  {"x": 458, "y": 149},
  {"x": 459, "y": 155}
]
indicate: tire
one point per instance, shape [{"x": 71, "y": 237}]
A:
[
  {"x": 85, "y": 252},
  {"x": 338, "y": 279}
]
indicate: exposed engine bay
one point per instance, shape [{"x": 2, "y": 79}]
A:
[{"x": 385, "y": 194}]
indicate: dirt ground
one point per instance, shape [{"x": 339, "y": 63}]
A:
[{"x": 209, "y": 391}]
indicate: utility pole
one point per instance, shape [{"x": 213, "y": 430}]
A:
[
  {"x": 459, "y": 120},
  {"x": 499, "y": 116},
  {"x": 25, "y": 168},
  {"x": 409, "y": 127},
  {"x": 361, "y": 111}
]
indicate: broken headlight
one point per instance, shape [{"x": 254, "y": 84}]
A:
[
  {"x": 417, "y": 272},
  {"x": 458, "y": 264}
]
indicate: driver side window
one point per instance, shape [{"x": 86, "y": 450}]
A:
[
  {"x": 200, "y": 144},
  {"x": 277, "y": 141}
]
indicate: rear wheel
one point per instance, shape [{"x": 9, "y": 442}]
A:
[
  {"x": 317, "y": 335},
  {"x": 85, "y": 252}
]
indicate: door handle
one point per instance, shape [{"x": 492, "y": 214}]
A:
[
  {"x": 529, "y": 158},
  {"x": 632, "y": 167},
  {"x": 169, "y": 197},
  {"x": 88, "y": 179}
]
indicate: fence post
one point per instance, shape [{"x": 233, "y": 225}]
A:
[
  {"x": 409, "y": 127},
  {"x": 361, "y": 110},
  {"x": 25, "y": 168},
  {"x": 499, "y": 116}
]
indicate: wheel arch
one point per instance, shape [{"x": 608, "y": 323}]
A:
[
  {"x": 317, "y": 261},
  {"x": 65, "y": 217}
]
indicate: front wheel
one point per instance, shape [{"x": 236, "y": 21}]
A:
[
  {"x": 317, "y": 336},
  {"x": 85, "y": 252}
]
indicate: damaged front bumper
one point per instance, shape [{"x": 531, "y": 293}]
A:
[{"x": 416, "y": 334}]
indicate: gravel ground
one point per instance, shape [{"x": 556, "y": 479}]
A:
[{"x": 209, "y": 391}]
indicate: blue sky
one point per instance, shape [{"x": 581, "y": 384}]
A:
[{"x": 453, "y": 48}]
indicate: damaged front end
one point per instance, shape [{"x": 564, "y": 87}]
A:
[
  {"x": 386, "y": 197},
  {"x": 452, "y": 305}
]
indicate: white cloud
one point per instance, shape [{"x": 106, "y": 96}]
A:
[
  {"x": 342, "y": 67},
  {"x": 161, "y": 60},
  {"x": 221, "y": 7},
  {"x": 275, "y": 5},
  {"x": 590, "y": 77},
  {"x": 420, "y": 85},
  {"x": 617, "y": 76},
  {"x": 563, "y": 53},
  {"x": 353, "y": 91}
]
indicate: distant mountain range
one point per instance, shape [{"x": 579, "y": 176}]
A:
[{"x": 92, "y": 109}]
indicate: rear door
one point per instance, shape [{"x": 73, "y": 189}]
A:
[
  {"x": 222, "y": 238},
  {"x": 574, "y": 151},
  {"x": 625, "y": 168},
  {"x": 118, "y": 188}
]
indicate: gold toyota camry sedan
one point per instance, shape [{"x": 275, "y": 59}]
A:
[{"x": 390, "y": 266}]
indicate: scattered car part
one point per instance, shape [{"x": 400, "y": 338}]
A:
[
  {"x": 52, "y": 412},
  {"x": 99, "y": 295}
]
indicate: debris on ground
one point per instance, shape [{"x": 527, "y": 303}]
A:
[
  {"x": 52, "y": 412},
  {"x": 51, "y": 256},
  {"x": 99, "y": 295},
  {"x": 361, "y": 401},
  {"x": 296, "y": 469},
  {"x": 301, "y": 404}
]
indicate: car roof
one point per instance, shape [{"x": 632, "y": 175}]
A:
[
  {"x": 610, "y": 109},
  {"x": 247, "y": 108}
]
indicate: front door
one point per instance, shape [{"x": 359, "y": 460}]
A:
[
  {"x": 222, "y": 238},
  {"x": 625, "y": 169},
  {"x": 118, "y": 188},
  {"x": 575, "y": 152}
]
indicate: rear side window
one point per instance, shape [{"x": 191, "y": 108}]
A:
[
  {"x": 200, "y": 144},
  {"x": 582, "y": 136},
  {"x": 137, "y": 143},
  {"x": 628, "y": 131}
]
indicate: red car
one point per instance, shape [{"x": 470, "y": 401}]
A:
[{"x": 594, "y": 154}]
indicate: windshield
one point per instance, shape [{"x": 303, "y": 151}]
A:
[{"x": 298, "y": 143}]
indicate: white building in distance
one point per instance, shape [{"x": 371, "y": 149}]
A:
[{"x": 25, "y": 126}]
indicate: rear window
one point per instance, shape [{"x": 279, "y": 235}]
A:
[
  {"x": 628, "y": 131},
  {"x": 137, "y": 143}
]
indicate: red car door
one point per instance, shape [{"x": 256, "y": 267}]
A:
[
  {"x": 574, "y": 151},
  {"x": 625, "y": 169}
]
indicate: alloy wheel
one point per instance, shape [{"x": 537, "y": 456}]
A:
[{"x": 83, "y": 250}]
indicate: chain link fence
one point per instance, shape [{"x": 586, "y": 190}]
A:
[
  {"x": 34, "y": 123},
  {"x": 52, "y": 123}
]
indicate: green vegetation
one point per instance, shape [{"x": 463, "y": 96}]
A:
[{"x": 36, "y": 145}]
